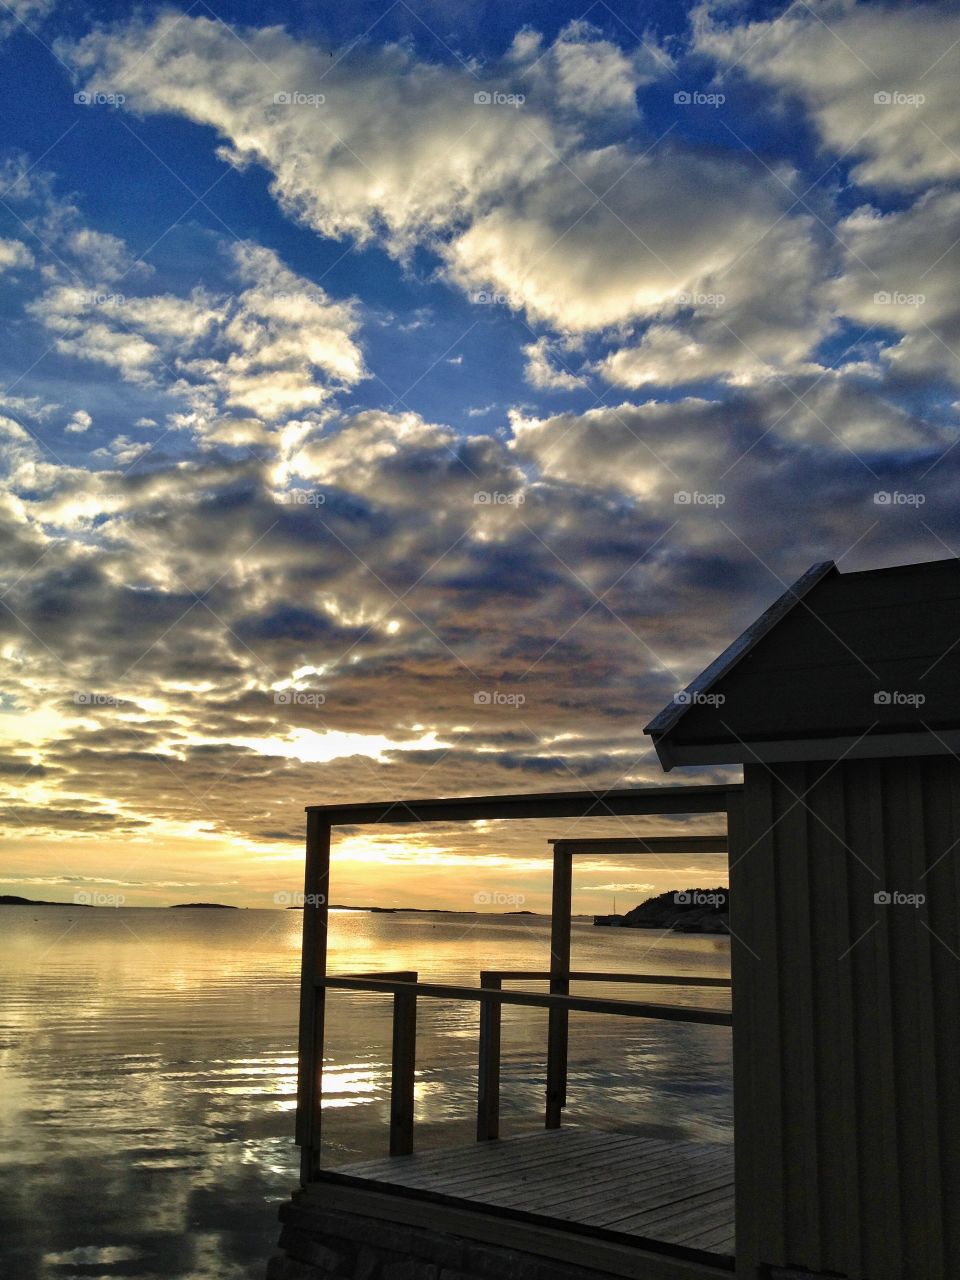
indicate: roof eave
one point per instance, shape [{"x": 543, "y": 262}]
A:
[
  {"x": 847, "y": 747},
  {"x": 673, "y": 712}
]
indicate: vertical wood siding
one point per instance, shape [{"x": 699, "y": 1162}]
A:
[{"x": 847, "y": 1018}]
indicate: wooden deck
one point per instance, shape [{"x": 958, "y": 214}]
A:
[{"x": 674, "y": 1193}]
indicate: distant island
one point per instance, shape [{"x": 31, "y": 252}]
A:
[
  {"x": 427, "y": 911},
  {"x": 11, "y": 900},
  {"x": 688, "y": 911},
  {"x": 208, "y": 906}
]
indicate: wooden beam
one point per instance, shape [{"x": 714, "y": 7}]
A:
[
  {"x": 534, "y": 1000},
  {"x": 585, "y": 975},
  {"x": 643, "y": 844},
  {"x": 313, "y": 969},
  {"x": 709, "y": 798}
]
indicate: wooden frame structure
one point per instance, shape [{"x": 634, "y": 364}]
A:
[{"x": 321, "y": 820}]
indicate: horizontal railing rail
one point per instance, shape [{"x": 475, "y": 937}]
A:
[{"x": 406, "y": 990}]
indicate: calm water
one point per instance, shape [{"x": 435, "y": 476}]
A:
[{"x": 148, "y": 1070}]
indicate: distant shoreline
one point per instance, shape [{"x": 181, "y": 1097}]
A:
[{"x": 13, "y": 900}]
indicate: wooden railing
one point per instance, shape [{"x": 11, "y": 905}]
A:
[
  {"x": 491, "y": 996},
  {"x": 619, "y": 803}
]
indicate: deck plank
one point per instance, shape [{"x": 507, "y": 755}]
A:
[{"x": 676, "y": 1192}]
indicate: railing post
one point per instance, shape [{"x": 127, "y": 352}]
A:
[
  {"x": 558, "y": 1019},
  {"x": 403, "y": 1076},
  {"x": 488, "y": 1080},
  {"x": 312, "y": 998}
]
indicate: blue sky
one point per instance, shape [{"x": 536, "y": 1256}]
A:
[{"x": 357, "y": 364}]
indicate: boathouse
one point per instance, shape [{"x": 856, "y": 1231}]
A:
[{"x": 842, "y": 705}]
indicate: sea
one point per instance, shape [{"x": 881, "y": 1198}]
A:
[{"x": 148, "y": 1069}]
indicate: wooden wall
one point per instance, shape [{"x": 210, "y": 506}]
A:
[{"x": 847, "y": 1018}]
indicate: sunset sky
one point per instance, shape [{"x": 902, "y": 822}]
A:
[{"x": 358, "y": 364}]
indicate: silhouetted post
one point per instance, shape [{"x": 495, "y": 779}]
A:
[
  {"x": 403, "y": 1076},
  {"x": 488, "y": 1087},
  {"x": 316, "y": 889},
  {"x": 557, "y": 1034}
]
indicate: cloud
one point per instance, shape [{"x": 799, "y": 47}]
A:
[
  {"x": 583, "y": 234},
  {"x": 14, "y": 254},
  {"x": 859, "y": 70},
  {"x": 542, "y": 372}
]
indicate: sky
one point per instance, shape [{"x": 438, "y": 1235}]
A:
[{"x": 407, "y": 399}]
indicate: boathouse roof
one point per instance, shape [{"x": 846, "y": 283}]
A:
[{"x": 842, "y": 665}]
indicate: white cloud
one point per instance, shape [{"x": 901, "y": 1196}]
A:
[
  {"x": 14, "y": 254},
  {"x": 836, "y": 56},
  {"x": 80, "y": 422},
  {"x": 582, "y": 235},
  {"x": 541, "y": 370}
]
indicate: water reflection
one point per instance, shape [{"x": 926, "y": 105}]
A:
[{"x": 148, "y": 1068}]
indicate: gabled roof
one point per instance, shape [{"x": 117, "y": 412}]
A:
[{"x": 842, "y": 664}]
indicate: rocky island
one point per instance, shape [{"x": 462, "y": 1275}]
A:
[{"x": 684, "y": 911}]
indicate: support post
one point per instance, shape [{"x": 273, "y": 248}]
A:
[
  {"x": 316, "y": 890},
  {"x": 557, "y": 1032},
  {"x": 488, "y": 1086},
  {"x": 403, "y": 1075}
]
